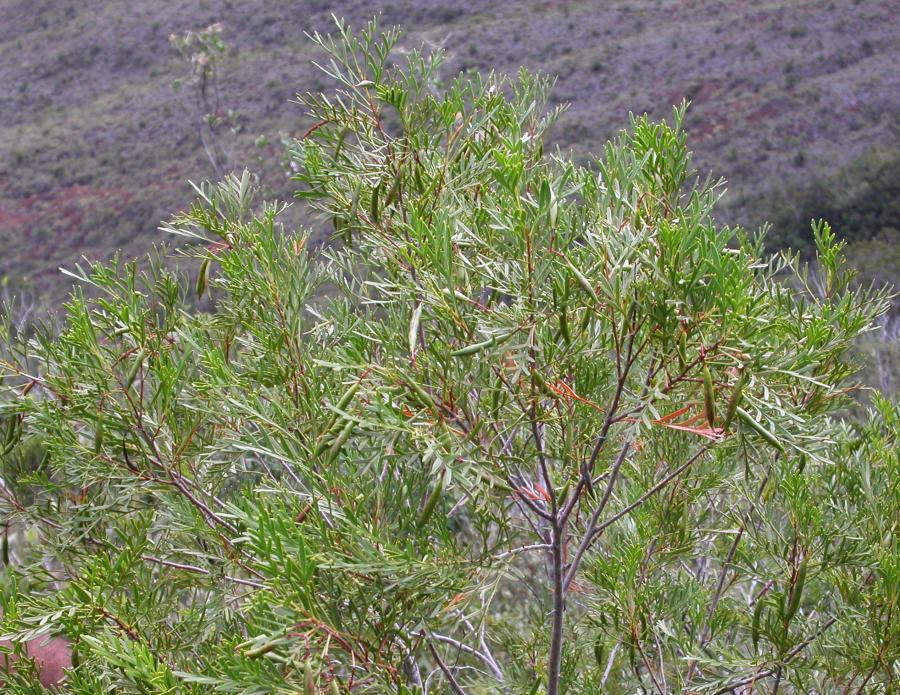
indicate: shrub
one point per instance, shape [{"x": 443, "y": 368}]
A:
[{"x": 532, "y": 427}]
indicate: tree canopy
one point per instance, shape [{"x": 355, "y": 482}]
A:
[{"x": 526, "y": 427}]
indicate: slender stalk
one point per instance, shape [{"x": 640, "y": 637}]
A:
[{"x": 559, "y": 609}]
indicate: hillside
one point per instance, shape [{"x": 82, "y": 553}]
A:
[{"x": 96, "y": 147}]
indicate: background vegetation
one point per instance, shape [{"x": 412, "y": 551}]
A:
[{"x": 96, "y": 144}]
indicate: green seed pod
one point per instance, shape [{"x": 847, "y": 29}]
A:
[
  {"x": 709, "y": 397},
  {"x": 259, "y": 651},
  {"x": 543, "y": 385},
  {"x": 417, "y": 175},
  {"x": 564, "y": 492},
  {"x": 796, "y": 591},
  {"x": 544, "y": 196},
  {"x": 495, "y": 402},
  {"x": 6, "y": 546},
  {"x": 309, "y": 678},
  {"x": 759, "y": 429},
  {"x": 345, "y": 131},
  {"x": 341, "y": 439},
  {"x": 136, "y": 367},
  {"x": 757, "y": 617},
  {"x": 564, "y": 326},
  {"x": 599, "y": 656},
  {"x": 801, "y": 464},
  {"x": 203, "y": 278},
  {"x": 342, "y": 404},
  {"x": 431, "y": 502},
  {"x": 734, "y": 400},
  {"x": 478, "y": 347},
  {"x": 472, "y": 349},
  {"x": 348, "y": 396},
  {"x": 423, "y": 396},
  {"x": 98, "y": 438},
  {"x": 335, "y": 687},
  {"x": 395, "y": 187},
  {"x": 582, "y": 280},
  {"x": 324, "y": 442},
  {"x": 354, "y": 201},
  {"x": 11, "y": 433},
  {"x": 584, "y": 322},
  {"x": 373, "y": 208}
]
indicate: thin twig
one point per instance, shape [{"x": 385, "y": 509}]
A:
[
  {"x": 609, "y": 665},
  {"x": 491, "y": 664},
  {"x": 652, "y": 491},
  {"x": 200, "y": 570},
  {"x": 523, "y": 549},
  {"x": 588, "y": 537},
  {"x": 454, "y": 685}
]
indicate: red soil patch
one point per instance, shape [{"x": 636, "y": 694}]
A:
[{"x": 61, "y": 207}]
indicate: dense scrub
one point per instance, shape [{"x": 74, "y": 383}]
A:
[
  {"x": 533, "y": 427},
  {"x": 861, "y": 201}
]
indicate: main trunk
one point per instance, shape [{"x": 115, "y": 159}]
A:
[{"x": 559, "y": 607}]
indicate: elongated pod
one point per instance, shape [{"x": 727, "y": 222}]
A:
[{"x": 709, "y": 397}]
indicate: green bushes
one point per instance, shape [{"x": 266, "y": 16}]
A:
[
  {"x": 860, "y": 201},
  {"x": 533, "y": 427}
]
